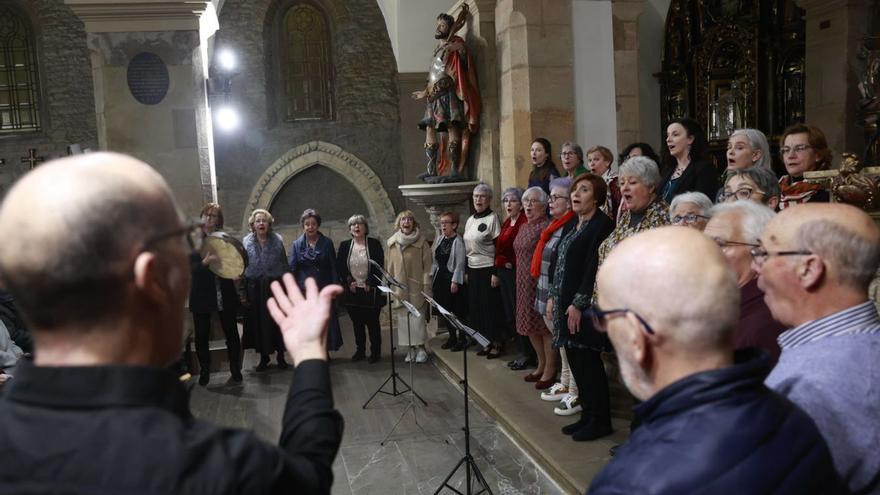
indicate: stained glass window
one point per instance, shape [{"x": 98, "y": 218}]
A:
[
  {"x": 307, "y": 76},
  {"x": 19, "y": 89}
]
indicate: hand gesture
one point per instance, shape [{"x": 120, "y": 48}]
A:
[
  {"x": 302, "y": 319},
  {"x": 418, "y": 95},
  {"x": 453, "y": 288},
  {"x": 574, "y": 319}
]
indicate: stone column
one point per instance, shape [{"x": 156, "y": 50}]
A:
[
  {"x": 834, "y": 30},
  {"x": 437, "y": 198},
  {"x": 536, "y": 83},
  {"x": 156, "y": 107},
  {"x": 626, "y": 69}
]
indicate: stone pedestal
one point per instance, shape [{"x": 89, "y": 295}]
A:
[
  {"x": 437, "y": 198},
  {"x": 157, "y": 108}
]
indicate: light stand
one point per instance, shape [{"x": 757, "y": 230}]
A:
[
  {"x": 412, "y": 312},
  {"x": 394, "y": 377},
  {"x": 472, "y": 471}
]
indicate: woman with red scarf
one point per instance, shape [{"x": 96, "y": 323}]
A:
[{"x": 542, "y": 260}]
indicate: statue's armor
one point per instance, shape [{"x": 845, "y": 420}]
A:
[{"x": 438, "y": 80}]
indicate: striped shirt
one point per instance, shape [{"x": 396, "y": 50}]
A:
[{"x": 861, "y": 318}]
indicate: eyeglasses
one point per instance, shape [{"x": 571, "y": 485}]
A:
[
  {"x": 797, "y": 149},
  {"x": 530, "y": 200},
  {"x": 689, "y": 218},
  {"x": 760, "y": 254},
  {"x": 567, "y": 153},
  {"x": 600, "y": 318},
  {"x": 725, "y": 243},
  {"x": 741, "y": 193},
  {"x": 510, "y": 200},
  {"x": 195, "y": 236},
  {"x": 556, "y": 197}
]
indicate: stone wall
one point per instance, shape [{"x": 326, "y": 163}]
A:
[
  {"x": 366, "y": 104},
  {"x": 66, "y": 87}
]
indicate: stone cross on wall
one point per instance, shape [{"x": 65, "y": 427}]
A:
[{"x": 32, "y": 158}]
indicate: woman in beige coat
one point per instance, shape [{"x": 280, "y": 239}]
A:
[{"x": 408, "y": 260}]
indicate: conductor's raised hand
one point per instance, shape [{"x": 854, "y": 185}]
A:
[{"x": 302, "y": 318}]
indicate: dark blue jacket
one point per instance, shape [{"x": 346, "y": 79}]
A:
[{"x": 720, "y": 432}]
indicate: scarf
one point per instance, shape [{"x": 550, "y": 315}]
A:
[
  {"x": 404, "y": 240},
  {"x": 794, "y": 192},
  {"x": 555, "y": 225}
]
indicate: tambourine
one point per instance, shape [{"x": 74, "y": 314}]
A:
[{"x": 231, "y": 259}]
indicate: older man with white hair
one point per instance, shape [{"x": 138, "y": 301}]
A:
[
  {"x": 816, "y": 262},
  {"x": 736, "y": 228},
  {"x": 708, "y": 423}
]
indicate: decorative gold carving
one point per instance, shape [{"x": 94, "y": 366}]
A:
[{"x": 852, "y": 184}]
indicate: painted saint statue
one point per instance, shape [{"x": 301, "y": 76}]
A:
[{"x": 452, "y": 113}]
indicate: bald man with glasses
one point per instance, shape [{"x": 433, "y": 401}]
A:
[
  {"x": 815, "y": 264},
  {"x": 708, "y": 422},
  {"x": 102, "y": 277}
]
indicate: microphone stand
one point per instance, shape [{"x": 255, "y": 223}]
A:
[
  {"x": 394, "y": 377},
  {"x": 472, "y": 471}
]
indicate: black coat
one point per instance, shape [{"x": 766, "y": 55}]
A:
[
  {"x": 203, "y": 292},
  {"x": 721, "y": 432},
  {"x": 700, "y": 176},
  {"x": 372, "y": 297},
  {"x": 580, "y": 266}
]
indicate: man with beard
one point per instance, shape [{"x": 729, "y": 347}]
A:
[
  {"x": 708, "y": 423},
  {"x": 453, "y": 102}
]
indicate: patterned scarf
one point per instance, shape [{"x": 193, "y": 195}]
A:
[
  {"x": 795, "y": 192},
  {"x": 555, "y": 225}
]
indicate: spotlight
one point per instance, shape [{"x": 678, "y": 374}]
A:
[
  {"x": 226, "y": 59},
  {"x": 227, "y": 119}
]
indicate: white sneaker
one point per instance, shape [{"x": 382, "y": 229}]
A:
[
  {"x": 409, "y": 355},
  {"x": 568, "y": 406},
  {"x": 421, "y": 356},
  {"x": 555, "y": 393}
]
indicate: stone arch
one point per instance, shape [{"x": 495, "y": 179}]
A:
[{"x": 315, "y": 153}]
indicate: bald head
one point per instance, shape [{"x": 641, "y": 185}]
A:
[
  {"x": 70, "y": 228},
  {"x": 684, "y": 288},
  {"x": 845, "y": 237}
]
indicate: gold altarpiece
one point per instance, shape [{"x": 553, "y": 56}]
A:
[{"x": 732, "y": 64}]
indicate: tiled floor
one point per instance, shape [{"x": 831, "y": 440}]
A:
[{"x": 421, "y": 451}]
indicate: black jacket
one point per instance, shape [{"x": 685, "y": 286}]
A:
[
  {"x": 700, "y": 176},
  {"x": 369, "y": 298},
  {"x": 128, "y": 429},
  {"x": 721, "y": 432},
  {"x": 203, "y": 291},
  {"x": 580, "y": 266}
]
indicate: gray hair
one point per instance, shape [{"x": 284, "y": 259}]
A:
[
  {"x": 855, "y": 257},
  {"x": 697, "y": 198},
  {"x": 753, "y": 217},
  {"x": 483, "y": 188},
  {"x": 758, "y": 141},
  {"x": 358, "y": 218},
  {"x": 512, "y": 191},
  {"x": 536, "y": 190},
  {"x": 644, "y": 168},
  {"x": 574, "y": 147},
  {"x": 764, "y": 178},
  {"x": 563, "y": 182}
]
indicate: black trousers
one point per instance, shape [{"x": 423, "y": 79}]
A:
[
  {"x": 202, "y": 324},
  {"x": 363, "y": 318},
  {"x": 589, "y": 374},
  {"x": 507, "y": 286}
]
